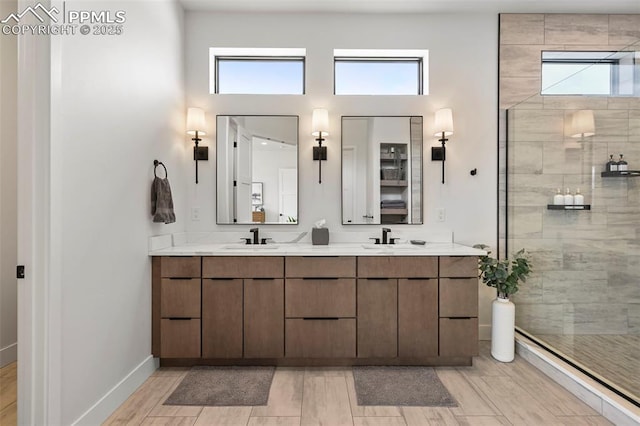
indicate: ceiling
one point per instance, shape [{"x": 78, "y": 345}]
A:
[{"x": 413, "y": 6}]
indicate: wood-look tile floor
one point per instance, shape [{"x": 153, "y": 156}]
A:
[
  {"x": 8, "y": 391},
  {"x": 488, "y": 393},
  {"x": 614, "y": 358}
]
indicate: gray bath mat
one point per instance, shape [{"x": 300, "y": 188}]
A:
[
  {"x": 223, "y": 386},
  {"x": 404, "y": 386}
]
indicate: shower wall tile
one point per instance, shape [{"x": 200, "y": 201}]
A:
[
  {"x": 611, "y": 125},
  {"x": 527, "y": 222},
  {"x": 574, "y": 286},
  {"x": 574, "y": 103},
  {"x": 529, "y": 291},
  {"x": 540, "y": 318},
  {"x": 623, "y": 286},
  {"x": 627, "y": 103},
  {"x": 532, "y": 190},
  {"x": 544, "y": 254},
  {"x": 527, "y": 158},
  {"x": 562, "y": 158},
  {"x": 533, "y": 125},
  {"x": 624, "y": 29},
  {"x": 576, "y": 29},
  {"x": 522, "y": 28},
  {"x": 517, "y": 92},
  {"x": 577, "y": 256},
  {"x": 595, "y": 318},
  {"x": 634, "y": 318},
  {"x": 520, "y": 61},
  {"x": 634, "y": 126}
]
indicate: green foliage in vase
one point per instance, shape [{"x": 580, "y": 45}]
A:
[{"x": 504, "y": 275}]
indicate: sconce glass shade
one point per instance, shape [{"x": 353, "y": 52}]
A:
[
  {"x": 320, "y": 122},
  {"x": 195, "y": 121},
  {"x": 444, "y": 122},
  {"x": 583, "y": 124}
]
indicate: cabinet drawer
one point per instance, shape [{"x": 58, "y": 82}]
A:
[
  {"x": 180, "y": 298},
  {"x": 320, "y": 267},
  {"x": 397, "y": 267},
  {"x": 242, "y": 267},
  {"x": 320, "y": 338},
  {"x": 458, "y": 297},
  {"x": 459, "y": 266},
  {"x": 180, "y": 267},
  {"x": 180, "y": 338},
  {"x": 320, "y": 297},
  {"x": 458, "y": 336}
]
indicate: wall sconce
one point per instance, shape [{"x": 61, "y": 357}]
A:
[
  {"x": 582, "y": 124},
  {"x": 444, "y": 127},
  {"x": 320, "y": 127},
  {"x": 195, "y": 127}
]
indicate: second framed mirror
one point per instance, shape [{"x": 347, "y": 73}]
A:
[{"x": 381, "y": 170}]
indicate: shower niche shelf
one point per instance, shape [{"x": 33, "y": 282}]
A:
[
  {"x": 626, "y": 173},
  {"x": 572, "y": 207}
]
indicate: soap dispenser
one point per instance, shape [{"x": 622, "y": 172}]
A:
[
  {"x": 578, "y": 199},
  {"x": 558, "y": 199},
  {"x": 568, "y": 198},
  {"x": 622, "y": 165},
  {"x": 612, "y": 165}
]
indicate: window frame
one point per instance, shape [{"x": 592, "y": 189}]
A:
[
  {"x": 254, "y": 55},
  {"x": 419, "y": 56},
  {"x": 608, "y": 57}
]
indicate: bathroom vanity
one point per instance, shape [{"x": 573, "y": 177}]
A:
[{"x": 298, "y": 304}]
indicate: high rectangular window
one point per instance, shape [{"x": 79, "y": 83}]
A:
[
  {"x": 258, "y": 71},
  {"x": 380, "y": 72},
  {"x": 590, "y": 73}
]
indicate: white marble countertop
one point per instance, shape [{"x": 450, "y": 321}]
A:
[{"x": 307, "y": 249}]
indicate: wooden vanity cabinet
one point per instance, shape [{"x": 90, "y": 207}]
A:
[
  {"x": 245, "y": 295},
  {"x": 458, "y": 306},
  {"x": 222, "y": 321},
  {"x": 320, "y": 307},
  {"x": 418, "y": 317},
  {"x": 176, "y": 301},
  {"x": 377, "y": 318}
]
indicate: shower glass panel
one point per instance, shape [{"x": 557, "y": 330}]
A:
[{"x": 583, "y": 299}]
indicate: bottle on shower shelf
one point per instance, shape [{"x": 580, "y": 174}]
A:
[
  {"x": 622, "y": 165},
  {"x": 558, "y": 199},
  {"x": 578, "y": 199},
  {"x": 568, "y": 198},
  {"x": 612, "y": 165}
]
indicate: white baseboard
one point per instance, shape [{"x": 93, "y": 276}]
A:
[
  {"x": 610, "y": 405},
  {"x": 106, "y": 405},
  {"x": 484, "y": 332},
  {"x": 8, "y": 354}
]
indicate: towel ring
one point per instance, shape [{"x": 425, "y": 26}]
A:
[{"x": 157, "y": 163}]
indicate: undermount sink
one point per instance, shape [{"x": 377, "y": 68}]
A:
[
  {"x": 244, "y": 247},
  {"x": 390, "y": 247}
]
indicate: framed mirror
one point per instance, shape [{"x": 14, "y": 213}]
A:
[
  {"x": 257, "y": 169},
  {"x": 381, "y": 170}
]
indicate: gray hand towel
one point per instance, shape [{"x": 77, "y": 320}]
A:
[{"x": 162, "y": 201}]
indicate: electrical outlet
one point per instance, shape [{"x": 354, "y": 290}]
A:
[
  {"x": 442, "y": 215},
  {"x": 195, "y": 213}
]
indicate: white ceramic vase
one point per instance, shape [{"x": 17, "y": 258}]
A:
[{"x": 503, "y": 322}]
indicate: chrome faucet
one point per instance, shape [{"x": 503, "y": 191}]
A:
[{"x": 254, "y": 231}]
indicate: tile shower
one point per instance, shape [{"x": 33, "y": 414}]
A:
[{"x": 584, "y": 296}]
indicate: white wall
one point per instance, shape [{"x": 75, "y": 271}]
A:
[
  {"x": 8, "y": 191},
  {"x": 462, "y": 75},
  {"x": 117, "y": 104}
]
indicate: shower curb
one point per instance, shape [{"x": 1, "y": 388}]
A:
[{"x": 604, "y": 401}]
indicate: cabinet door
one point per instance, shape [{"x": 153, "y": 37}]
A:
[
  {"x": 263, "y": 318},
  {"x": 180, "y": 298},
  {"x": 458, "y": 336},
  {"x": 221, "y": 318},
  {"x": 377, "y": 318},
  {"x": 180, "y": 338},
  {"x": 458, "y": 297},
  {"x": 417, "y": 318}
]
